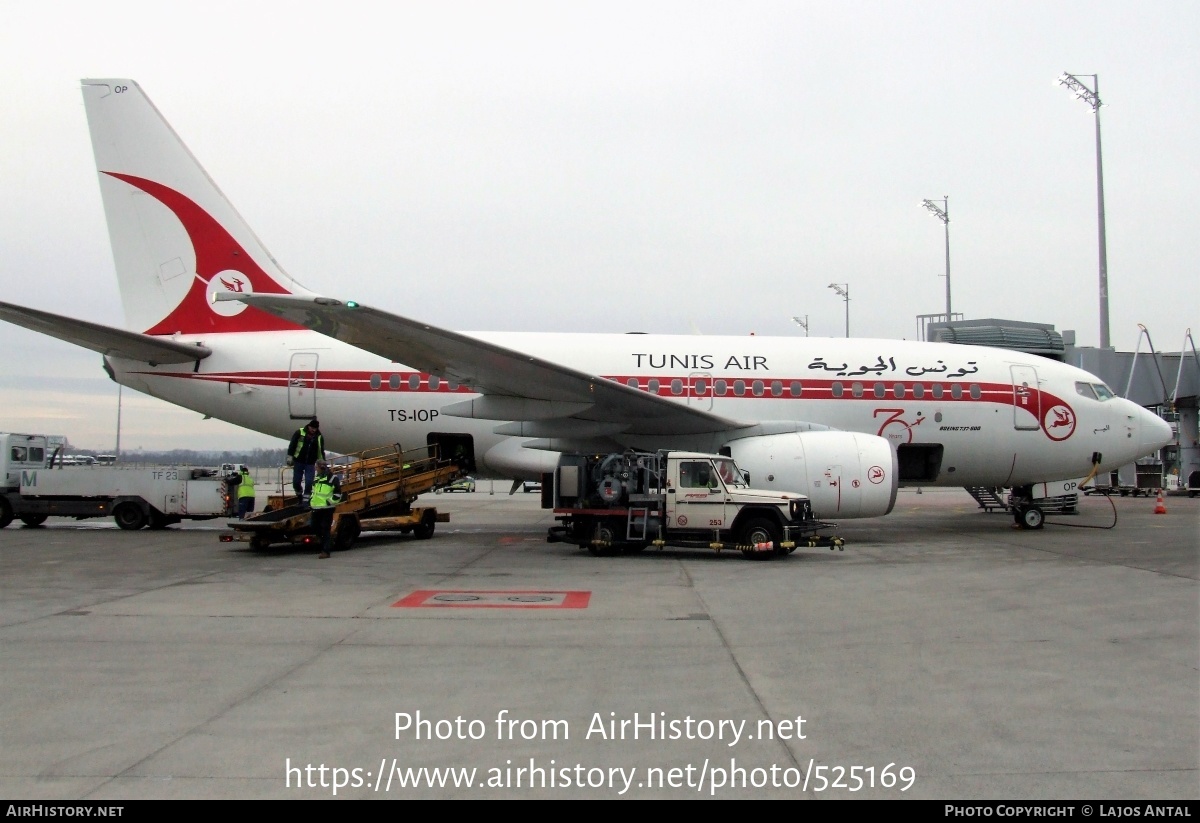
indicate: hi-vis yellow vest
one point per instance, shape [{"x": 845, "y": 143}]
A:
[{"x": 322, "y": 493}]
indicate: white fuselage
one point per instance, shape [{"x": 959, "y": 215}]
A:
[{"x": 1002, "y": 418}]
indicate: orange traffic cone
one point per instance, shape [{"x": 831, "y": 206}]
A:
[{"x": 1159, "y": 506}]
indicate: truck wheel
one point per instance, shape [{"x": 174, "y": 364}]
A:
[
  {"x": 761, "y": 530},
  {"x": 32, "y": 520},
  {"x": 129, "y": 516},
  {"x": 347, "y": 532},
  {"x": 607, "y": 538},
  {"x": 424, "y": 530},
  {"x": 6, "y": 513}
]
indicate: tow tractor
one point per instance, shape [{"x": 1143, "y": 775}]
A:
[
  {"x": 378, "y": 488},
  {"x": 625, "y": 501}
]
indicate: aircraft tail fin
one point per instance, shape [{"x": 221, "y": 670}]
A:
[{"x": 176, "y": 240}]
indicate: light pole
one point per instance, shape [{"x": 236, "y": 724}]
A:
[
  {"x": 844, "y": 290},
  {"x": 802, "y": 322},
  {"x": 943, "y": 213},
  {"x": 1092, "y": 98}
]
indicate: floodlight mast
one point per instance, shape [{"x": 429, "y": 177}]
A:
[
  {"x": 943, "y": 213},
  {"x": 802, "y": 322},
  {"x": 1091, "y": 96},
  {"x": 844, "y": 290}
]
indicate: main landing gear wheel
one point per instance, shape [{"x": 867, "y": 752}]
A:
[
  {"x": 1030, "y": 517},
  {"x": 761, "y": 530},
  {"x": 32, "y": 520}
]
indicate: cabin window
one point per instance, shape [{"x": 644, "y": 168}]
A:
[
  {"x": 879, "y": 390},
  {"x": 720, "y": 387},
  {"x": 652, "y": 386},
  {"x": 632, "y": 383},
  {"x": 898, "y": 391},
  {"x": 376, "y": 381},
  {"x": 739, "y": 387},
  {"x": 676, "y": 387},
  {"x": 434, "y": 382},
  {"x": 918, "y": 390},
  {"x": 956, "y": 391},
  {"x": 414, "y": 382},
  {"x": 976, "y": 392},
  {"x": 795, "y": 389},
  {"x": 697, "y": 475},
  {"x": 856, "y": 389},
  {"x": 937, "y": 391},
  {"x": 757, "y": 388},
  {"x": 836, "y": 389},
  {"x": 776, "y": 388},
  {"x": 394, "y": 381}
]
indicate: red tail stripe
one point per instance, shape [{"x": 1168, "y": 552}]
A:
[{"x": 216, "y": 251}]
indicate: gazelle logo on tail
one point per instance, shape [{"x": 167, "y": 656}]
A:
[{"x": 222, "y": 265}]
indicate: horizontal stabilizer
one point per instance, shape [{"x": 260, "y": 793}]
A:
[{"x": 104, "y": 339}]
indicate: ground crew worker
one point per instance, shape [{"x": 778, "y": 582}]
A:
[
  {"x": 305, "y": 449},
  {"x": 326, "y": 494},
  {"x": 245, "y": 494}
]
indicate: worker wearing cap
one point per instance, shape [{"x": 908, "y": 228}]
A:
[
  {"x": 305, "y": 449},
  {"x": 326, "y": 494}
]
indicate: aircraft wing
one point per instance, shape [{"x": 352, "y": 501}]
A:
[
  {"x": 105, "y": 339},
  {"x": 559, "y": 401}
]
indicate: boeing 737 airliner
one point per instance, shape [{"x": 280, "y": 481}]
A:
[{"x": 214, "y": 324}]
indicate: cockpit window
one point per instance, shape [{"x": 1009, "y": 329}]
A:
[
  {"x": 1103, "y": 391},
  {"x": 1085, "y": 390}
]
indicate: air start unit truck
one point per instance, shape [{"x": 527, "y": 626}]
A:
[{"x": 625, "y": 501}]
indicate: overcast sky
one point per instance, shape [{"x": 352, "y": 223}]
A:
[{"x": 680, "y": 167}]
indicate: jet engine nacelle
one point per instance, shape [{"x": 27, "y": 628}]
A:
[{"x": 844, "y": 474}]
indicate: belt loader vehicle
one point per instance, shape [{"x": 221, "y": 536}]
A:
[{"x": 378, "y": 488}]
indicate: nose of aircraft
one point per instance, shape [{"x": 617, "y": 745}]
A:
[{"x": 1155, "y": 432}]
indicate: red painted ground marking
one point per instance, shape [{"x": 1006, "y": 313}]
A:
[{"x": 457, "y": 599}]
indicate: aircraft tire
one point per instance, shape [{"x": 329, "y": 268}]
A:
[
  {"x": 1030, "y": 517},
  {"x": 33, "y": 519}
]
